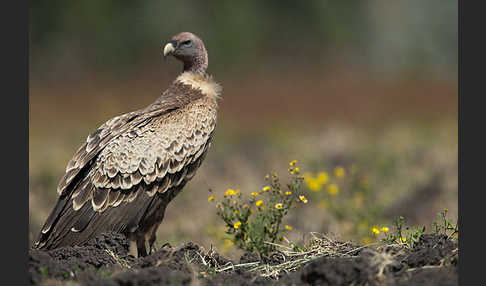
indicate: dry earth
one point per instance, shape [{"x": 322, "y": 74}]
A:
[{"x": 105, "y": 260}]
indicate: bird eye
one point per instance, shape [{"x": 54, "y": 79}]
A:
[{"x": 187, "y": 43}]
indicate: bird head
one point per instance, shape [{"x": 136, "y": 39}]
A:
[{"x": 189, "y": 49}]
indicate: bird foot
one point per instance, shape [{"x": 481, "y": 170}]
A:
[
  {"x": 166, "y": 245},
  {"x": 152, "y": 249}
]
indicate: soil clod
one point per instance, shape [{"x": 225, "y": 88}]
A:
[{"x": 105, "y": 260}]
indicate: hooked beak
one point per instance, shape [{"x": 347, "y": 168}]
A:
[{"x": 169, "y": 48}]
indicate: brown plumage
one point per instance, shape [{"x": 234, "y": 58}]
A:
[{"x": 133, "y": 165}]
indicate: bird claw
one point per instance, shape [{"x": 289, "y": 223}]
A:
[
  {"x": 166, "y": 245},
  {"x": 152, "y": 249}
]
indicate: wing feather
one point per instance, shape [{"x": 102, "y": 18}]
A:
[
  {"x": 151, "y": 190},
  {"x": 127, "y": 157},
  {"x": 134, "y": 193},
  {"x": 121, "y": 124},
  {"x": 100, "y": 196},
  {"x": 113, "y": 196},
  {"x": 84, "y": 195},
  {"x": 83, "y": 219}
]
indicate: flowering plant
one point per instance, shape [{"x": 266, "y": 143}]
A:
[{"x": 255, "y": 222}]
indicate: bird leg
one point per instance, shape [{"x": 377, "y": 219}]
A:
[
  {"x": 141, "y": 249},
  {"x": 151, "y": 242}
]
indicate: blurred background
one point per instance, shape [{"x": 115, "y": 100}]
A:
[{"x": 369, "y": 87}]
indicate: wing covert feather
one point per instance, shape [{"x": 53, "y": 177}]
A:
[{"x": 149, "y": 151}]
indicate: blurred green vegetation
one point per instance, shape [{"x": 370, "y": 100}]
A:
[{"x": 415, "y": 37}]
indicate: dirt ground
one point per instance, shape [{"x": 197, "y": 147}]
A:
[{"x": 105, "y": 260}]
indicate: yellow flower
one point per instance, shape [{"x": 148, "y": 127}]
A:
[
  {"x": 278, "y": 206},
  {"x": 211, "y": 198},
  {"x": 288, "y": 227},
  {"x": 314, "y": 185},
  {"x": 259, "y": 203},
  {"x": 339, "y": 172},
  {"x": 288, "y": 193},
  {"x": 245, "y": 206},
  {"x": 303, "y": 199},
  {"x": 237, "y": 225},
  {"x": 267, "y": 177},
  {"x": 237, "y": 211},
  {"x": 294, "y": 170},
  {"x": 332, "y": 189},
  {"x": 292, "y": 163},
  {"x": 322, "y": 177},
  {"x": 307, "y": 177},
  {"x": 230, "y": 192},
  {"x": 385, "y": 229},
  {"x": 254, "y": 194},
  {"x": 375, "y": 230},
  {"x": 403, "y": 239},
  {"x": 266, "y": 188}
]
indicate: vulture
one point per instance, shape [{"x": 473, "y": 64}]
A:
[{"x": 128, "y": 170}]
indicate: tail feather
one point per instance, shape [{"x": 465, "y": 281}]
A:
[
  {"x": 51, "y": 221},
  {"x": 73, "y": 227}
]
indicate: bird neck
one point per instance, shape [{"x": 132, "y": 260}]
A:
[{"x": 197, "y": 65}]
